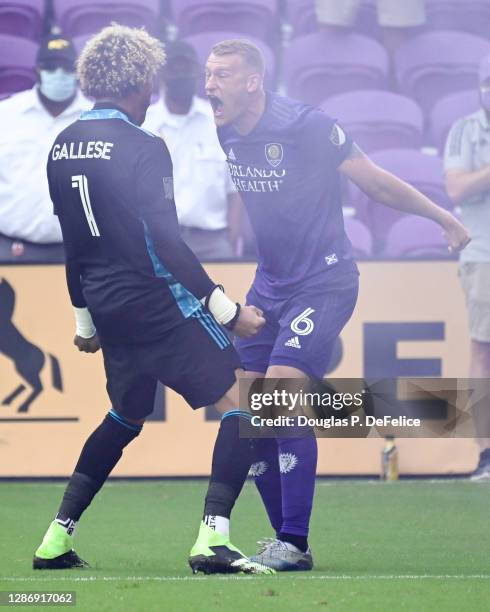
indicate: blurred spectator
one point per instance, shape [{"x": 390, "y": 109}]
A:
[
  {"x": 207, "y": 205},
  {"x": 394, "y": 17},
  {"x": 30, "y": 122},
  {"x": 467, "y": 165}
]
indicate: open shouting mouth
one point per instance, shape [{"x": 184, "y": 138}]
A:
[{"x": 217, "y": 105}]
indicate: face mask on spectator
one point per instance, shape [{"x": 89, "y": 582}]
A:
[
  {"x": 57, "y": 85},
  {"x": 485, "y": 97},
  {"x": 181, "y": 89}
]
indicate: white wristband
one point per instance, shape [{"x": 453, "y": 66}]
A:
[
  {"x": 220, "y": 306},
  {"x": 85, "y": 325}
]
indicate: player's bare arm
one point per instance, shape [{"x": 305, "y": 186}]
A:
[
  {"x": 462, "y": 185},
  {"x": 382, "y": 186}
]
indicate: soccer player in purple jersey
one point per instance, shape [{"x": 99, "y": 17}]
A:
[{"x": 286, "y": 159}]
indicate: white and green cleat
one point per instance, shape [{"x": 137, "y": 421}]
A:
[{"x": 213, "y": 553}]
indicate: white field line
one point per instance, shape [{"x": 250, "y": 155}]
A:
[
  {"x": 340, "y": 482},
  {"x": 342, "y": 577}
]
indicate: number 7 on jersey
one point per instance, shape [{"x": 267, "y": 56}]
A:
[{"x": 79, "y": 181}]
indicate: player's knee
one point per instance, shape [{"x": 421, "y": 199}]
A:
[
  {"x": 124, "y": 420},
  {"x": 136, "y": 421},
  {"x": 284, "y": 371},
  {"x": 225, "y": 404}
]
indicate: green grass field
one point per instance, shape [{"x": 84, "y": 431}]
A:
[{"x": 411, "y": 545}]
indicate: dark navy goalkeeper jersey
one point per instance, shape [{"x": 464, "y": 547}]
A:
[
  {"x": 111, "y": 186},
  {"x": 286, "y": 172}
]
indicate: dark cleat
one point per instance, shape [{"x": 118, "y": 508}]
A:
[
  {"x": 68, "y": 560},
  {"x": 226, "y": 561},
  {"x": 213, "y": 553}
]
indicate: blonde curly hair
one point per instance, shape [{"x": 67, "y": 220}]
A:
[{"x": 117, "y": 61}]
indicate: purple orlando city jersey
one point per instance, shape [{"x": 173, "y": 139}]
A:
[{"x": 285, "y": 170}]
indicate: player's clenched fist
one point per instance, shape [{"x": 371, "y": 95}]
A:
[
  {"x": 250, "y": 321},
  {"x": 87, "y": 345}
]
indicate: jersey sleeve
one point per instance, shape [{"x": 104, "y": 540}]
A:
[
  {"x": 51, "y": 186},
  {"x": 457, "y": 152},
  {"x": 323, "y": 141},
  {"x": 74, "y": 284},
  {"x": 157, "y": 210}
]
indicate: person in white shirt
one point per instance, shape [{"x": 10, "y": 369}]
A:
[
  {"x": 30, "y": 122},
  {"x": 208, "y": 207},
  {"x": 467, "y": 167}
]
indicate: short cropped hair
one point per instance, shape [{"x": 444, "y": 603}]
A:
[
  {"x": 117, "y": 61},
  {"x": 245, "y": 49}
]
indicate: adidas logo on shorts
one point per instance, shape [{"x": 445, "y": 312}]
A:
[{"x": 293, "y": 342}]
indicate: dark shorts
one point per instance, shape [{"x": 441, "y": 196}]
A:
[
  {"x": 300, "y": 331},
  {"x": 195, "y": 359}
]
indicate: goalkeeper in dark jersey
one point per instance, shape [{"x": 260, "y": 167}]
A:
[{"x": 140, "y": 294}]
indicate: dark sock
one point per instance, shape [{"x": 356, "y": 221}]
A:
[
  {"x": 101, "y": 452},
  {"x": 300, "y": 542},
  {"x": 297, "y": 462},
  {"x": 232, "y": 457}
]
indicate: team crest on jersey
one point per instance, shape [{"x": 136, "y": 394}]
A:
[{"x": 274, "y": 153}]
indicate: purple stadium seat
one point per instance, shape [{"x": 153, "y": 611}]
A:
[
  {"x": 434, "y": 64},
  {"x": 415, "y": 237},
  {"x": 360, "y": 237},
  {"x": 320, "y": 65},
  {"x": 464, "y": 15},
  {"x": 203, "y": 43},
  {"x": 301, "y": 14},
  {"x": 255, "y": 18},
  {"x": 378, "y": 119},
  {"x": 425, "y": 172},
  {"x": 22, "y": 18},
  {"x": 447, "y": 111},
  {"x": 17, "y": 61},
  {"x": 78, "y": 17}
]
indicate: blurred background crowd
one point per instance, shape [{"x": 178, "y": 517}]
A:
[{"x": 397, "y": 74}]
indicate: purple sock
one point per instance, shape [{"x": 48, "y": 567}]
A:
[
  {"x": 265, "y": 470},
  {"x": 297, "y": 463}
]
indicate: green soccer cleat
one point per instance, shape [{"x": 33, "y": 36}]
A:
[
  {"x": 56, "y": 552},
  {"x": 213, "y": 553}
]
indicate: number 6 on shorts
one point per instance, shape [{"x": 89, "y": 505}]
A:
[{"x": 302, "y": 325}]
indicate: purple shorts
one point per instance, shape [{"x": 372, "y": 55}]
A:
[{"x": 300, "y": 330}]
